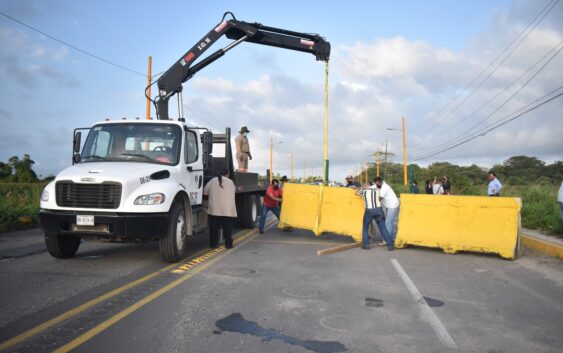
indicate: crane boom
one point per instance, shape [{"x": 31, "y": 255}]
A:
[{"x": 171, "y": 81}]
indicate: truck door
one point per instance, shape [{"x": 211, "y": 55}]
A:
[{"x": 192, "y": 173}]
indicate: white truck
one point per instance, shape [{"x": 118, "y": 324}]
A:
[{"x": 142, "y": 180}]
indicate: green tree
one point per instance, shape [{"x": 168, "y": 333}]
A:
[
  {"x": 22, "y": 170},
  {"x": 5, "y": 171}
]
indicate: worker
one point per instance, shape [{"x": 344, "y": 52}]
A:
[
  {"x": 243, "y": 150},
  {"x": 350, "y": 183},
  {"x": 221, "y": 211},
  {"x": 390, "y": 203},
  {"x": 373, "y": 210},
  {"x": 272, "y": 198}
]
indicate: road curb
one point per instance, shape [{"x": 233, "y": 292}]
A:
[{"x": 544, "y": 246}]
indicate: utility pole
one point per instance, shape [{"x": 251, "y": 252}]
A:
[
  {"x": 292, "y": 166},
  {"x": 271, "y": 156},
  {"x": 304, "y": 171},
  {"x": 377, "y": 162},
  {"x": 405, "y": 154},
  {"x": 367, "y": 167},
  {"x": 149, "y": 80},
  {"x": 385, "y": 161}
]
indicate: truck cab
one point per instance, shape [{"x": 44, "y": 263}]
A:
[{"x": 139, "y": 180}]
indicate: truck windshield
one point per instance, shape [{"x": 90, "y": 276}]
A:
[{"x": 152, "y": 143}]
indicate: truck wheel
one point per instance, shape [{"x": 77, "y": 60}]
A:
[
  {"x": 248, "y": 211},
  {"x": 62, "y": 246},
  {"x": 173, "y": 243}
]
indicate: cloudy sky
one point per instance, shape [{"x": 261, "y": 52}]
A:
[{"x": 453, "y": 69}]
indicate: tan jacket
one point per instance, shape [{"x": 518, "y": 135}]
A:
[
  {"x": 241, "y": 142},
  {"x": 221, "y": 199}
]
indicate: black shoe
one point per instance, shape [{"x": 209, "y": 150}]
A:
[
  {"x": 260, "y": 232},
  {"x": 365, "y": 247},
  {"x": 391, "y": 248},
  {"x": 228, "y": 246}
]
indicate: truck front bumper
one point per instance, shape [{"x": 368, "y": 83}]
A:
[{"x": 116, "y": 226}]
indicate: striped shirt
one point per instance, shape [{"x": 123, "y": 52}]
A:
[{"x": 371, "y": 198}]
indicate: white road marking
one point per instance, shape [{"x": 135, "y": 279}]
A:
[{"x": 425, "y": 311}]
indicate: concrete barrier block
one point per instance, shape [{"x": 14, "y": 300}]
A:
[
  {"x": 322, "y": 209},
  {"x": 460, "y": 223}
]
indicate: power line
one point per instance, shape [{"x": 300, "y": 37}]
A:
[
  {"x": 468, "y": 132},
  {"x": 72, "y": 46},
  {"x": 484, "y": 132},
  {"x": 545, "y": 11}
]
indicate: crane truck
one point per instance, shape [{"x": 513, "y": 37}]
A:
[{"x": 138, "y": 180}]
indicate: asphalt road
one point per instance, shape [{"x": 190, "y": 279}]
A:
[{"x": 272, "y": 293}]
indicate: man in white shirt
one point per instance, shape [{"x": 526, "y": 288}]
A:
[
  {"x": 373, "y": 210},
  {"x": 494, "y": 185},
  {"x": 390, "y": 203}
]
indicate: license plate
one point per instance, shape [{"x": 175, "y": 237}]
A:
[{"x": 83, "y": 220}]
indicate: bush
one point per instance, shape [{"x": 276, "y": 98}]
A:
[{"x": 17, "y": 200}]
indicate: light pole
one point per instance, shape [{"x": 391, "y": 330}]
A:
[
  {"x": 272, "y": 157},
  {"x": 404, "y": 150},
  {"x": 292, "y": 166}
]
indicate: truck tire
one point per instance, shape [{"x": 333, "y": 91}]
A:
[
  {"x": 173, "y": 244},
  {"x": 248, "y": 211},
  {"x": 61, "y": 246}
]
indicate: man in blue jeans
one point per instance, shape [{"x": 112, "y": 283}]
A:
[
  {"x": 373, "y": 210},
  {"x": 272, "y": 198}
]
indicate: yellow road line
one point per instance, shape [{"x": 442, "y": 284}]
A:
[
  {"x": 211, "y": 253},
  {"x": 83, "y": 307},
  {"x": 131, "y": 309},
  {"x": 79, "y": 309}
]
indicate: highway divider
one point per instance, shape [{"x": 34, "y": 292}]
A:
[
  {"x": 320, "y": 209},
  {"x": 451, "y": 223},
  {"x": 461, "y": 223}
]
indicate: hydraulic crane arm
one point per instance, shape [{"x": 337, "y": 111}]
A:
[{"x": 171, "y": 81}]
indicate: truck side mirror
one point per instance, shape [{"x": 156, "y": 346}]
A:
[
  {"x": 76, "y": 142},
  {"x": 207, "y": 138}
]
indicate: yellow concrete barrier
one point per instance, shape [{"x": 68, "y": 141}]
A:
[
  {"x": 460, "y": 223},
  {"x": 322, "y": 209}
]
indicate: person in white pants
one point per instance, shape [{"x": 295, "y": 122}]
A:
[{"x": 390, "y": 203}]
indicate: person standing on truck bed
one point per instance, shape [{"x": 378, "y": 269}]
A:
[
  {"x": 243, "y": 149},
  {"x": 272, "y": 198},
  {"x": 221, "y": 208}
]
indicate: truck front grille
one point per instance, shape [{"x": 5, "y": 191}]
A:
[{"x": 106, "y": 195}]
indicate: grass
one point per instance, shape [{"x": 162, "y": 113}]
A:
[{"x": 19, "y": 200}]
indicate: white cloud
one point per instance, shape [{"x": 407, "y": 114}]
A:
[{"x": 377, "y": 83}]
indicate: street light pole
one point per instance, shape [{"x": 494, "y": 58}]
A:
[
  {"x": 271, "y": 158},
  {"x": 385, "y": 160},
  {"x": 292, "y": 166},
  {"x": 405, "y": 153},
  {"x": 377, "y": 162},
  {"x": 404, "y": 150}
]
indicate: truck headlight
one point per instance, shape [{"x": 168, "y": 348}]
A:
[
  {"x": 45, "y": 195},
  {"x": 150, "y": 199}
]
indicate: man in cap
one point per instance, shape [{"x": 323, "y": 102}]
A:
[
  {"x": 350, "y": 182},
  {"x": 243, "y": 149}
]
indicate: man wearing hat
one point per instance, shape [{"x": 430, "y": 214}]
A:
[
  {"x": 350, "y": 182},
  {"x": 243, "y": 149}
]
